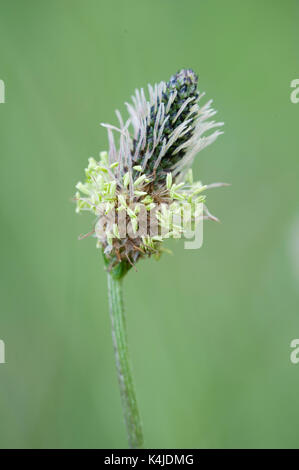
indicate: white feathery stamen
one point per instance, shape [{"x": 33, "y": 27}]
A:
[
  {"x": 176, "y": 133},
  {"x": 109, "y": 126},
  {"x": 157, "y": 121},
  {"x": 146, "y": 157},
  {"x": 171, "y": 99},
  {"x": 155, "y": 97},
  {"x": 216, "y": 185},
  {"x": 112, "y": 149},
  {"x": 209, "y": 215},
  {"x": 134, "y": 118},
  {"x": 161, "y": 154},
  {"x": 148, "y": 114},
  {"x": 187, "y": 101},
  {"x": 184, "y": 144},
  {"x": 151, "y": 93},
  {"x": 141, "y": 138},
  {"x": 162, "y": 128},
  {"x": 119, "y": 117}
]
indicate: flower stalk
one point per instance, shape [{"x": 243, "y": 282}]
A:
[{"x": 124, "y": 371}]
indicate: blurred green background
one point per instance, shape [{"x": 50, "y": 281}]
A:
[{"x": 209, "y": 329}]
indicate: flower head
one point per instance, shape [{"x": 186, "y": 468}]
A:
[{"x": 142, "y": 183}]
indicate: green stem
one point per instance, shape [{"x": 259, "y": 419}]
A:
[{"x": 125, "y": 380}]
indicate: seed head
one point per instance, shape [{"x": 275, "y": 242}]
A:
[{"x": 148, "y": 171}]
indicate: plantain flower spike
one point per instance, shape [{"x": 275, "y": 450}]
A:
[{"x": 147, "y": 172}]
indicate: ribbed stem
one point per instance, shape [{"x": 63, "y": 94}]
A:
[{"x": 119, "y": 336}]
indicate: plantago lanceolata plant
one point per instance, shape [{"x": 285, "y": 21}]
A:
[{"x": 140, "y": 190}]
